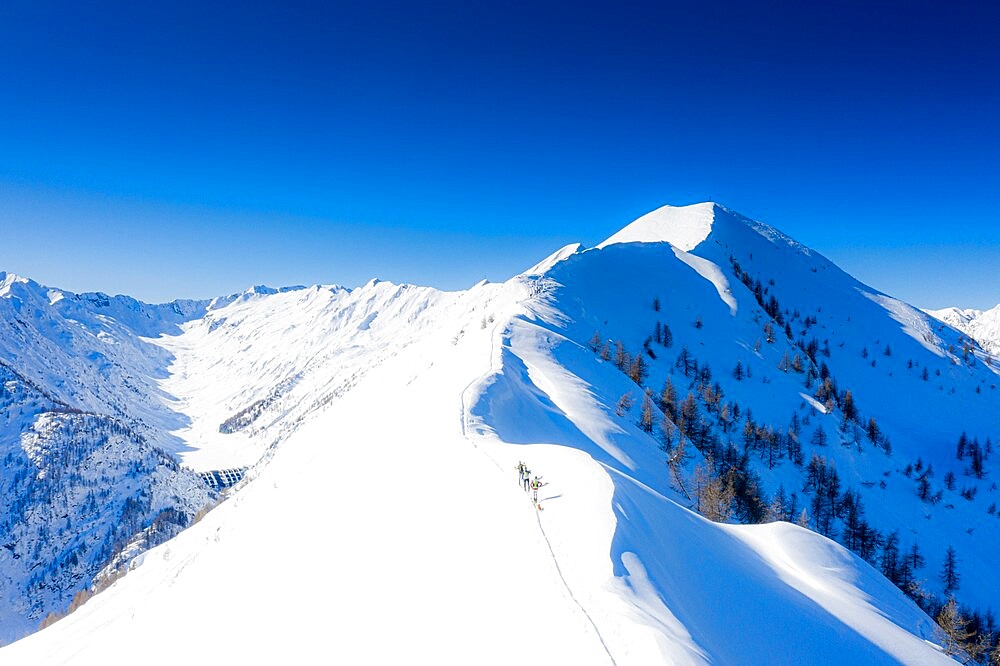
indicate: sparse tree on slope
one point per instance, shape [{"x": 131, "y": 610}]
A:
[
  {"x": 954, "y": 627},
  {"x": 849, "y": 409},
  {"x": 949, "y": 572},
  {"x": 622, "y": 358},
  {"x": 637, "y": 369},
  {"x": 890, "y": 558},
  {"x": 668, "y": 337},
  {"x": 595, "y": 342},
  {"x": 646, "y": 417},
  {"x": 668, "y": 400},
  {"x": 624, "y": 404}
]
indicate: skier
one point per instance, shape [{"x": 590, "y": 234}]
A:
[
  {"x": 535, "y": 485},
  {"x": 526, "y": 478}
]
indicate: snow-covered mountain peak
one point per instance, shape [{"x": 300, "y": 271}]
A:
[
  {"x": 983, "y": 326},
  {"x": 13, "y": 284},
  {"x": 690, "y": 227},
  {"x": 548, "y": 262},
  {"x": 684, "y": 227}
]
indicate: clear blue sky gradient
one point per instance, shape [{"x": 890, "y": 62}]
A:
[{"x": 176, "y": 150}]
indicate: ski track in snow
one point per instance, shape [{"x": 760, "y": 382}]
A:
[{"x": 495, "y": 352}]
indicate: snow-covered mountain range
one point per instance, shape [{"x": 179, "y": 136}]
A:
[
  {"x": 695, "y": 362},
  {"x": 981, "y": 325}
]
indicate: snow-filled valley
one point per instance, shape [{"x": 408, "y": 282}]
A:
[{"x": 695, "y": 365}]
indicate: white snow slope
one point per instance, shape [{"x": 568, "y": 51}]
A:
[{"x": 385, "y": 523}]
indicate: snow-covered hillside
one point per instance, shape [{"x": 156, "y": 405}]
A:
[
  {"x": 85, "y": 478},
  {"x": 384, "y": 521},
  {"x": 983, "y": 326}
]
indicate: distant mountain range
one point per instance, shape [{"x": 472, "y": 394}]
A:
[{"x": 981, "y": 325}]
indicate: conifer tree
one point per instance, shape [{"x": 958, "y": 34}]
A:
[
  {"x": 873, "y": 431},
  {"x": 595, "y": 342},
  {"x": 685, "y": 362},
  {"x": 832, "y": 491},
  {"x": 646, "y": 417},
  {"x": 923, "y": 487},
  {"x": 914, "y": 558},
  {"x": 890, "y": 557},
  {"x": 725, "y": 417},
  {"x": 668, "y": 400},
  {"x": 749, "y": 434},
  {"x": 949, "y": 571},
  {"x": 688, "y": 415},
  {"x": 772, "y": 446},
  {"x": 850, "y": 411},
  {"x": 803, "y": 520},
  {"x": 638, "y": 369},
  {"x": 976, "y": 459},
  {"x": 676, "y": 459},
  {"x": 668, "y": 435},
  {"x": 622, "y": 357},
  {"x": 955, "y": 628},
  {"x": 713, "y": 493},
  {"x": 776, "y": 510}
]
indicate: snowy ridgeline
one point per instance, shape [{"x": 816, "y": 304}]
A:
[
  {"x": 816, "y": 394},
  {"x": 695, "y": 360}
]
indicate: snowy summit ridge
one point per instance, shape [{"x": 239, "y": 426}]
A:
[
  {"x": 688, "y": 227},
  {"x": 684, "y": 227}
]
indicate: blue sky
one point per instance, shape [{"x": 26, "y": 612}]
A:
[{"x": 184, "y": 151}]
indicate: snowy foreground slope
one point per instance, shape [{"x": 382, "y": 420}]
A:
[{"x": 385, "y": 523}]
